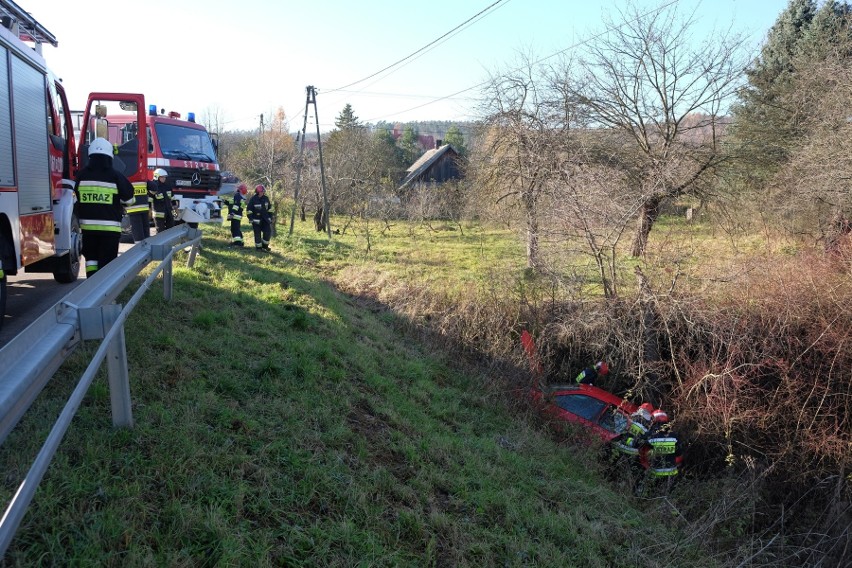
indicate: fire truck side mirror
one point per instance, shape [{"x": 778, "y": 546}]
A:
[
  {"x": 102, "y": 128},
  {"x": 100, "y": 111}
]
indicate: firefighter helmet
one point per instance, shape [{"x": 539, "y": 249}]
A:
[
  {"x": 259, "y": 189},
  {"x": 100, "y": 146},
  {"x": 602, "y": 368},
  {"x": 660, "y": 416},
  {"x": 242, "y": 189},
  {"x": 160, "y": 172},
  {"x": 647, "y": 406}
]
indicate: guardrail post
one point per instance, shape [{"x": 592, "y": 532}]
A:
[
  {"x": 192, "y": 252},
  {"x": 119, "y": 379},
  {"x": 168, "y": 280}
]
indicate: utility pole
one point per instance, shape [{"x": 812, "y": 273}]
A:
[
  {"x": 299, "y": 165},
  {"x": 326, "y": 218}
]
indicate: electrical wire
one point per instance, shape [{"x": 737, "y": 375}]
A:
[
  {"x": 554, "y": 54},
  {"x": 425, "y": 47}
]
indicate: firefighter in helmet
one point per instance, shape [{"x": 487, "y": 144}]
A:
[
  {"x": 589, "y": 375},
  {"x": 661, "y": 451},
  {"x": 260, "y": 213},
  {"x": 160, "y": 191},
  {"x": 629, "y": 442},
  {"x": 138, "y": 214},
  {"x": 235, "y": 215},
  {"x": 101, "y": 191}
]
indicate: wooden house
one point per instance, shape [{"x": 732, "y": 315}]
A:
[{"x": 437, "y": 165}]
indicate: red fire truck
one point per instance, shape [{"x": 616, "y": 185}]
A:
[
  {"x": 183, "y": 147},
  {"x": 38, "y": 230}
]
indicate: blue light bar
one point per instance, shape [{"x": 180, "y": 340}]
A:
[
  {"x": 190, "y": 116},
  {"x": 152, "y": 110}
]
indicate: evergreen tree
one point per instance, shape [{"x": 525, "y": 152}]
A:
[
  {"x": 455, "y": 138},
  {"x": 828, "y": 31},
  {"x": 347, "y": 120},
  {"x": 409, "y": 145},
  {"x": 388, "y": 157},
  {"x": 770, "y": 117}
]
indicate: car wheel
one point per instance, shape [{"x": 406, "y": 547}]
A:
[{"x": 69, "y": 265}]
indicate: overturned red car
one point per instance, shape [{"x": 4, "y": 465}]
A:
[{"x": 603, "y": 413}]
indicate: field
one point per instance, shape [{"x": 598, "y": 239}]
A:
[{"x": 282, "y": 421}]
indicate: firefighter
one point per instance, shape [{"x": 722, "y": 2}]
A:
[
  {"x": 235, "y": 215},
  {"x": 138, "y": 213},
  {"x": 161, "y": 192},
  {"x": 260, "y": 213},
  {"x": 101, "y": 191},
  {"x": 629, "y": 442},
  {"x": 661, "y": 449},
  {"x": 589, "y": 375}
]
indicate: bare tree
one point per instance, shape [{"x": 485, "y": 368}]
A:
[
  {"x": 213, "y": 118},
  {"x": 267, "y": 157},
  {"x": 526, "y": 125},
  {"x": 666, "y": 95}
]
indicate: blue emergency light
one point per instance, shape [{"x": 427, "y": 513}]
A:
[
  {"x": 190, "y": 116},
  {"x": 152, "y": 110}
]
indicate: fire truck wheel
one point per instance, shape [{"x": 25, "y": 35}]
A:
[{"x": 68, "y": 266}]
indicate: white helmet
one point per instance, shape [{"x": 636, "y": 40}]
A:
[
  {"x": 160, "y": 172},
  {"x": 100, "y": 146}
]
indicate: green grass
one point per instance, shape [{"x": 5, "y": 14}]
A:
[{"x": 279, "y": 422}]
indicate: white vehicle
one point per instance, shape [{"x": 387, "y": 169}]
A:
[{"x": 38, "y": 229}]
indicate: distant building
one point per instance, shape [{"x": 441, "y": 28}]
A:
[{"x": 437, "y": 165}]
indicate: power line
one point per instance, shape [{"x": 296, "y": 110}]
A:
[
  {"x": 561, "y": 51},
  {"x": 407, "y": 57}
]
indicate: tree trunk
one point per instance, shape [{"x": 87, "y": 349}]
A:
[
  {"x": 319, "y": 220},
  {"x": 647, "y": 218},
  {"x": 532, "y": 230},
  {"x": 650, "y": 339}
]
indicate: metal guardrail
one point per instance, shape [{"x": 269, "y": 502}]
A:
[{"x": 88, "y": 312}]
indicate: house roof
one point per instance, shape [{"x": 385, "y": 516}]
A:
[{"x": 424, "y": 163}]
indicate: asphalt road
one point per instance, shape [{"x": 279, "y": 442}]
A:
[{"x": 30, "y": 295}]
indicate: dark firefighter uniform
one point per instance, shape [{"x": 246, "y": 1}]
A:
[
  {"x": 235, "y": 216},
  {"x": 101, "y": 191},
  {"x": 138, "y": 212},
  {"x": 160, "y": 193},
  {"x": 662, "y": 452},
  {"x": 589, "y": 375},
  {"x": 260, "y": 213}
]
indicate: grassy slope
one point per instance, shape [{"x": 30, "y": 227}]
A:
[{"x": 279, "y": 422}]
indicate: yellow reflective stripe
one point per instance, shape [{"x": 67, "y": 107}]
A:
[
  {"x": 101, "y": 228},
  {"x": 100, "y": 225},
  {"x": 637, "y": 429},
  {"x": 140, "y": 188},
  {"x": 663, "y": 445},
  {"x": 137, "y": 209},
  {"x": 664, "y": 472},
  {"x": 96, "y": 195}
]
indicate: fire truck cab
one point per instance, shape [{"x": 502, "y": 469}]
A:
[
  {"x": 182, "y": 147},
  {"x": 38, "y": 230}
]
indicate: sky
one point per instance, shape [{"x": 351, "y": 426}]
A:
[{"x": 240, "y": 60}]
